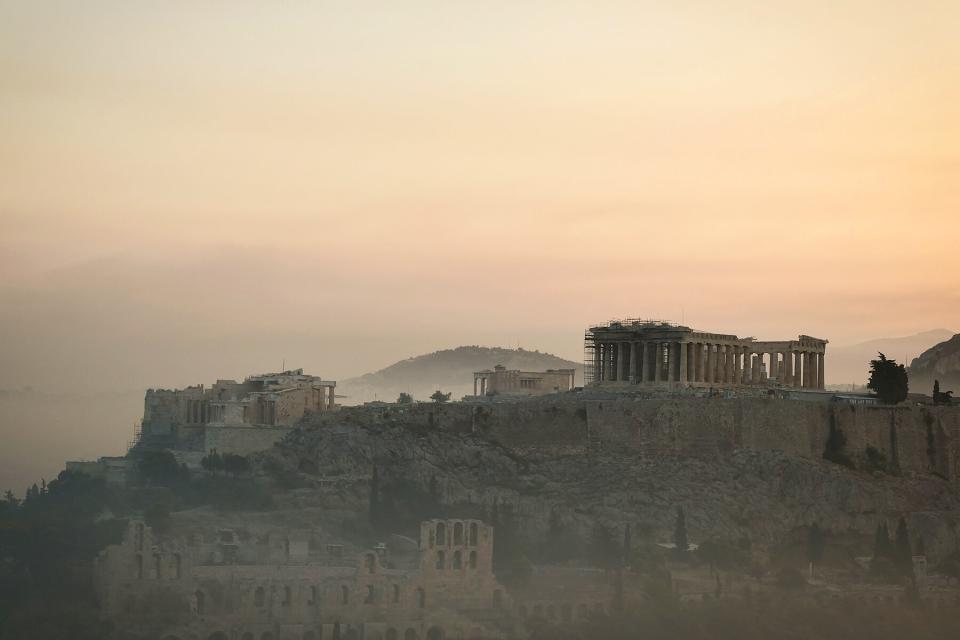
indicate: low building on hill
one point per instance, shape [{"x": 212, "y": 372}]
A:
[{"x": 503, "y": 381}]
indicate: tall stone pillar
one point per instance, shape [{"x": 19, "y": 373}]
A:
[
  {"x": 597, "y": 361},
  {"x": 609, "y": 366},
  {"x": 806, "y": 370},
  {"x": 755, "y": 368},
  {"x": 656, "y": 360},
  {"x": 786, "y": 372},
  {"x": 684, "y": 371},
  {"x": 774, "y": 371},
  {"x": 633, "y": 362},
  {"x": 696, "y": 352},
  {"x": 735, "y": 370},
  {"x": 645, "y": 363},
  {"x": 821, "y": 368},
  {"x": 797, "y": 368},
  {"x": 710, "y": 361},
  {"x": 474, "y": 385},
  {"x": 622, "y": 363},
  {"x": 672, "y": 364}
]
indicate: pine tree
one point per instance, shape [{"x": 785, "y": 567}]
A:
[
  {"x": 903, "y": 553},
  {"x": 680, "y": 532},
  {"x": 374, "y": 506},
  {"x": 888, "y": 380}
]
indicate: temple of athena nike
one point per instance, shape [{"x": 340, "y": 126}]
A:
[{"x": 623, "y": 352}]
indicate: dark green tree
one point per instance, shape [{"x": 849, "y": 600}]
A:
[
  {"x": 815, "y": 546},
  {"x": 234, "y": 464},
  {"x": 158, "y": 468},
  {"x": 405, "y": 398},
  {"x": 212, "y": 462},
  {"x": 888, "y": 380},
  {"x": 440, "y": 397},
  {"x": 680, "y": 533},
  {"x": 902, "y": 550},
  {"x": 605, "y": 553},
  {"x": 945, "y": 398}
]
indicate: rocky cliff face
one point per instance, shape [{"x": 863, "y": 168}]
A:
[
  {"x": 940, "y": 362},
  {"x": 753, "y": 491}
]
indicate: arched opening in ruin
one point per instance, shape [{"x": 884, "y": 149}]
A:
[
  {"x": 458, "y": 533},
  {"x": 259, "y": 597},
  {"x": 435, "y": 633},
  {"x": 442, "y": 533},
  {"x": 396, "y": 593},
  {"x": 313, "y": 601},
  {"x": 473, "y": 534},
  {"x": 441, "y": 560},
  {"x": 473, "y": 559},
  {"x": 457, "y": 560},
  {"x": 201, "y": 600},
  {"x": 370, "y": 561},
  {"x": 344, "y": 595},
  {"x": 421, "y": 598},
  {"x": 411, "y": 634},
  {"x": 371, "y": 595}
]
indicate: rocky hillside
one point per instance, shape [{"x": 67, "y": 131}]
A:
[
  {"x": 450, "y": 370},
  {"x": 765, "y": 496},
  {"x": 851, "y": 364},
  {"x": 940, "y": 362}
]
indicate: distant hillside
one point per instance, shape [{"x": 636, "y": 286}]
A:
[
  {"x": 450, "y": 370},
  {"x": 851, "y": 364},
  {"x": 940, "y": 362}
]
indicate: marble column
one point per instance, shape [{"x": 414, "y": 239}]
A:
[
  {"x": 633, "y": 362},
  {"x": 672, "y": 362},
  {"x": 622, "y": 363},
  {"x": 786, "y": 372},
  {"x": 805, "y": 383},
  {"x": 728, "y": 363},
  {"x": 657, "y": 360},
  {"x": 683, "y": 363},
  {"x": 645, "y": 362},
  {"x": 474, "y": 385},
  {"x": 821, "y": 370},
  {"x": 797, "y": 368},
  {"x": 774, "y": 371},
  {"x": 755, "y": 368},
  {"x": 696, "y": 354}
]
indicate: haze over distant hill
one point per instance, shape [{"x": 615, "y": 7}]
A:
[
  {"x": 450, "y": 370},
  {"x": 851, "y": 364},
  {"x": 939, "y": 362}
]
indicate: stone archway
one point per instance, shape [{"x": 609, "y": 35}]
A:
[{"x": 435, "y": 633}]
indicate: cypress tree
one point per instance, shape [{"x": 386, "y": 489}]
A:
[{"x": 903, "y": 553}]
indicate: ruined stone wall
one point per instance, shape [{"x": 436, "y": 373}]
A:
[
  {"x": 241, "y": 440},
  {"x": 913, "y": 439}
]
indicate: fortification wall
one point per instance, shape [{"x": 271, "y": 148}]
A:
[
  {"x": 913, "y": 439},
  {"x": 241, "y": 440}
]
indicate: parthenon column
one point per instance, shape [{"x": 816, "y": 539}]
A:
[
  {"x": 821, "y": 369},
  {"x": 786, "y": 370},
  {"x": 633, "y": 362},
  {"x": 683, "y": 362},
  {"x": 797, "y": 368},
  {"x": 622, "y": 363},
  {"x": 721, "y": 365},
  {"x": 656, "y": 360},
  {"x": 696, "y": 357},
  {"x": 711, "y": 363},
  {"x": 755, "y": 368},
  {"x": 673, "y": 364},
  {"x": 774, "y": 371},
  {"x": 806, "y": 370},
  {"x": 609, "y": 370},
  {"x": 597, "y": 362},
  {"x": 645, "y": 362}
]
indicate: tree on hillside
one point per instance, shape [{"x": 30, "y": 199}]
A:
[
  {"x": 888, "y": 380},
  {"x": 902, "y": 550},
  {"x": 680, "y": 533},
  {"x": 212, "y": 462},
  {"x": 235, "y": 464},
  {"x": 941, "y": 398},
  {"x": 405, "y": 398},
  {"x": 815, "y": 546},
  {"x": 440, "y": 397}
]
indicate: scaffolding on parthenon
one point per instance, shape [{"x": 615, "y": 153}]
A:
[{"x": 589, "y": 353}]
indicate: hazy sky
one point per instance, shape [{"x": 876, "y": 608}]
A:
[{"x": 199, "y": 189}]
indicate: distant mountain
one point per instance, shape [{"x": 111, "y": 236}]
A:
[
  {"x": 851, "y": 364},
  {"x": 939, "y": 362},
  {"x": 450, "y": 370}
]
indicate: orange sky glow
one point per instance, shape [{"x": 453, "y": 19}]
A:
[{"x": 193, "y": 190}]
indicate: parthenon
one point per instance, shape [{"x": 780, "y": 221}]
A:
[{"x": 653, "y": 352}]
